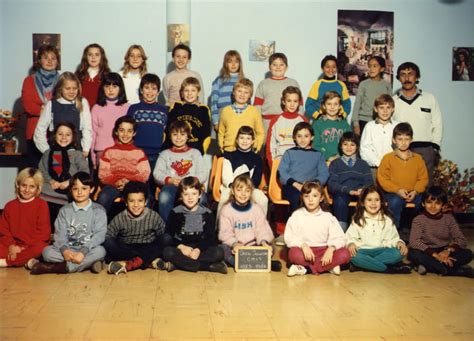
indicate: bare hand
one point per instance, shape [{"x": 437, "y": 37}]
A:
[
  {"x": 402, "y": 193},
  {"x": 216, "y": 127},
  {"x": 411, "y": 196},
  {"x": 444, "y": 258},
  {"x": 309, "y": 255},
  {"x": 85, "y": 154},
  {"x": 352, "y": 249},
  {"x": 403, "y": 248},
  {"x": 185, "y": 250},
  {"x": 327, "y": 257},
  {"x": 298, "y": 186},
  {"x": 195, "y": 253},
  {"x": 54, "y": 184},
  {"x": 64, "y": 184},
  {"x": 78, "y": 257},
  {"x": 68, "y": 255},
  {"x": 356, "y": 129},
  {"x": 235, "y": 248},
  {"x": 13, "y": 251}
]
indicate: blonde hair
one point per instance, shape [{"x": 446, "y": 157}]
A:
[
  {"x": 224, "y": 73},
  {"x": 69, "y": 76},
  {"x": 189, "y": 81},
  {"x": 33, "y": 173},
  {"x": 243, "y": 180},
  {"x": 244, "y": 83},
  {"x": 126, "y": 66},
  {"x": 327, "y": 97}
]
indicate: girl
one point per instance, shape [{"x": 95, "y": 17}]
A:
[
  {"x": 314, "y": 237},
  {"x": 330, "y": 126},
  {"x": 241, "y": 223},
  {"x": 372, "y": 238},
  {"x": 134, "y": 67},
  {"x": 24, "y": 236},
  {"x": 222, "y": 86},
  {"x": 94, "y": 66},
  {"x": 67, "y": 106},
  {"x": 368, "y": 91},
  {"x": 37, "y": 90},
  {"x": 111, "y": 104},
  {"x": 193, "y": 231},
  {"x": 243, "y": 160}
]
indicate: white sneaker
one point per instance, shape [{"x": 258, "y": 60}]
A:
[
  {"x": 280, "y": 240},
  {"x": 296, "y": 270},
  {"x": 336, "y": 270}
]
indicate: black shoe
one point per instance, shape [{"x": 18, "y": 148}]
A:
[
  {"x": 276, "y": 265},
  {"x": 463, "y": 271},
  {"x": 398, "y": 269},
  {"x": 49, "y": 268},
  {"x": 219, "y": 267},
  {"x": 354, "y": 268}
]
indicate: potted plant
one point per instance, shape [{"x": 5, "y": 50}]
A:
[{"x": 8, "y": 131}]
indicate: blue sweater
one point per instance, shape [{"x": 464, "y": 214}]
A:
[
  {"x": 221, "y": 95},
  {"x": 250, "y": 159},
  {"x": 300, "y": 165},
  {"x": 343, "y": 179}
]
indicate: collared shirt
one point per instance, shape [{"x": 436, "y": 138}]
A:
[
  {"x": 239, "y": 110},
  {"x": 85, "y": 208},
  {"x": 346, "y": 159}
]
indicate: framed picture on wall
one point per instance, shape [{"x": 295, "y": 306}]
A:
[
  {"x": 261, "y": 50},
  {"x": 463, "y": 64},
  {"x": 177, "y": 34},
  {"x": 53, "y": 39}
]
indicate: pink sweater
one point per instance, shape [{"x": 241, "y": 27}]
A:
[{"x": 103, "y": 120}]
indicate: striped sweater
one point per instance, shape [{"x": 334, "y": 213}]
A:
[{"x": 221, "y": 95}]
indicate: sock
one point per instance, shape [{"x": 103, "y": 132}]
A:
[
  {"x": 3, "y": 263},
  {"x": 133, "y": 264}
]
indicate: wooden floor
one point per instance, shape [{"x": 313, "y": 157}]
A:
[{"x": 149, "y": 305}]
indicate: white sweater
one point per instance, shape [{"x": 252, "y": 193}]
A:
[{"x": 376, "y": 141}]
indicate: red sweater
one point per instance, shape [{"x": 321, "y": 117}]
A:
[
  {"x": 25, "y": 223},
  {"x": 90, "y": 89},
  {"x": 32, "y": 104}
]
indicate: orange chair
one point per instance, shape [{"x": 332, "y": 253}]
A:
[
  {"x": 212, "y": 176},
  {"x": 274, "y": 186},
  {"x": 216, "y": 185}
]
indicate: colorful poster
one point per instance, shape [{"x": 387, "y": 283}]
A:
[
  {"x": 261, "y": 50},
  {"x": 40, "y": 39},
  {"x": 463, "y": 63},
  {"x": 177, "y": 34}
]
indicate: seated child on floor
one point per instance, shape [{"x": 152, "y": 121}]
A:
[
  {"x": 437, "y": 244},
  {"x": 242, "y": 223},
  {"x": 79, "y": 232},
  {"x": 372, "y": 237},
  {"x": 193, "y": 232},
  {"x": 135, "y": 237},
  {"x": 314, "y": 237},
  {"x": 24, "y": 236}
]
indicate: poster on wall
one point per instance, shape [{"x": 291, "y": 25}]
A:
[
  {"x": 53, "y": 39},
  {"x": 463, "y": 63},
  {"x": 261, "y": 50},
  {"x": 177, "y": 34},
  {"x": 360, "y": 35}
]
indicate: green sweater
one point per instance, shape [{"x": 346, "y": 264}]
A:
[{"x": 327, "y": 134}]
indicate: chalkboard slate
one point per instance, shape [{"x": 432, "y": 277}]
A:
[{"x": 253, "y": 259}]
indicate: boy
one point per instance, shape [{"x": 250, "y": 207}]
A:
[
  {"x": 268, "y": 94},
  {"x": 176, "y": 163},
  {"x": 238, "y": 114},
  {"x": 79, "y": 232},
  {"x": 172, "y": 82},
  {"x": 402, "y": 174},
  {"x": 121, "y": 163},
  {"x": 436, "y": 242},
  {"x": 327, "y": 83},
  {"x": 135, "y": 237},
  {"x": 196, "y": 115}
]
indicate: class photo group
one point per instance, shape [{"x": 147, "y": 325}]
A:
[{"x": 118, "y": 178}]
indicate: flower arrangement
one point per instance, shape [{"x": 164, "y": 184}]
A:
[{"x": 7, "y": 125}]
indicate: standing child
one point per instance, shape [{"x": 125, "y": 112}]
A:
[
  {"x": 314, "y": 237},
  {"x": 176, "y": 163},
  {"x": 437, "y": 244},
  {"x": 238, "y": 114},
  {"x": 67, "y": 106},
  {"x": 280, "y": 130},
  {"x": 134, "y": 68},
  {"x": 172, "y": 82},
  {"x": 79, "y": 232},
  {"x": 330, "y": 126},
  {"x": 242, "y": 223},
  {"x": 348, "y": 175},
  {"x": 372, "y": 238},
  {"x": 94, "y": 66},
  {"x": 368, "y": 91},
  {"x": 135, "y": 237},
  {"x": 196, "y": 115},
  {"x": 24, "y": 236},
  {"x": 325, "y": 84},
  {"x": 241, "y": 161},
  {"x": 121, "y": 163},
  {"x": 193, "y": 231},
  {"x": 111, "y": 104},
  {"x": 222, "y": 86}
]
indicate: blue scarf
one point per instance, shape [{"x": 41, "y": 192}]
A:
[{"x": 45, "y": 81}]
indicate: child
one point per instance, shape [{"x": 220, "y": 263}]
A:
[
  {"x": 243, "y": 160},
  {"x": 176, "y": 163},
  {"x": 402, "y": 174},
  {"x": 79, "y": 232},
  {"x": 134, "y": 68},
  {"x": 94, "y": 66},
  {"x": 196, "y": 115},
  {"x": 437, "y": 244},
  {"x": 279, "y": 136},
  {"x": 372, "y": 237},
  {"x": 111, "y": 104},
  {"x": 67, "y": 106},
  {"x": 348, "y": 175},
  {"x": 135, "y": 237},
  {"x": 238, "y": 114},
  {"x": 268, "y": 94},
  {"x": 241, "y": 223},
  {"x": 24, "y": 236},
  {"x": 172, "y": 82},
  {"x": 314, "y": 237},
  {"x": 36, "y": 91},
  {"x": 368, "y": 91},
  {"x": 325, "y": 84},
  {"x": 193, "y": 231},
  {"x": 222, "y": 86},
  {"x": 330, "y": 126},
  {"x": 376, "y": 138},
  {"x": 121, "y": 163}
]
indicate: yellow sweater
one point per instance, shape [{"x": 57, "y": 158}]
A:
[{"x": 230, "y": 123}]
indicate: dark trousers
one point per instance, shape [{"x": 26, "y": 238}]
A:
[
  {"x": 33, "y": 154},
  {"x": 293, "y": 196},
  {"x": 341, "y": 207},
  {"x": 461, "y": 256},
  {"x": 430, "y": 157},
  {"x": 207, "y": 257}
]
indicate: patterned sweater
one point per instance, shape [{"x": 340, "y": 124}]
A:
[
  {"x": 221, "y": 95},
  {"x": 316, "y": 94},
  {"x": 327, "y": 134}
]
